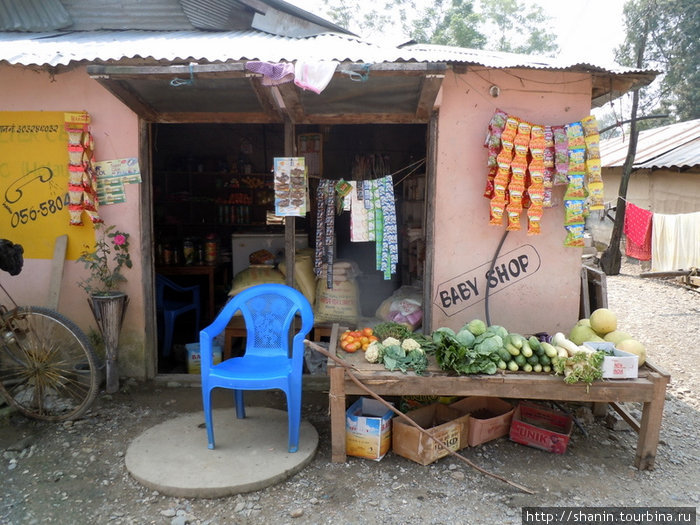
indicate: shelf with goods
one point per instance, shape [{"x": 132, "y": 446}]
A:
[
  {"x": 190, "y": 199},
  {"x": 412, "y": 229}
]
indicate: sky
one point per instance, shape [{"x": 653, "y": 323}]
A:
[{"x": 587, "y": 30}]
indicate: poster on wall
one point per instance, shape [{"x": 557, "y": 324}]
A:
[
  {"x": 34, "y": 184},
  {"x": 290, "y": 186},
  {"x": 111, "y": 177}
]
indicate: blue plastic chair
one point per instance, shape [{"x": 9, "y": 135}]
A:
[
  {"x": 173, "y": 300},
  {"x": 269, "y": 311}
]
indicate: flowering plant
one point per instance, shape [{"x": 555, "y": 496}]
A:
[{"x": 105, "y": 276}]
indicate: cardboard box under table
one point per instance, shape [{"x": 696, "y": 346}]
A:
[
  {"x": 490, "y": 418},
  {"x": 444, "y": 423},
  {"x": 368, "y": 429},
  {"x": 648, "y": 388},
  {"x": 539, "y": 427}
]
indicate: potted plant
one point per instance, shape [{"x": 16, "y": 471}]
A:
[{"x": 106, "y": 260}]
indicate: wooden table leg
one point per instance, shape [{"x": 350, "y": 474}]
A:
[
  {"x": 650, "y": 426},
  {"x": 337, "y": 406}
]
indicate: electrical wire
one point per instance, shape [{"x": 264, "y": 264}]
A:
[{"x": 493, "y": 264}]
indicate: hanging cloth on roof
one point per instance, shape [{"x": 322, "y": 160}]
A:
[
  {"x": 273, "y": 74},
  {"x": 314, "y": 76},
  {"x": 638, "y": 231},
  {"x": 675, "y": 241}
]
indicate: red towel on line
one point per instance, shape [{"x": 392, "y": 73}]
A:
[{"x": 638, "y": 231}]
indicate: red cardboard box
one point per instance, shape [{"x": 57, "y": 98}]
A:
[
  {"x": 490, "y": 418},
  {"x": 540, "y": 427}
]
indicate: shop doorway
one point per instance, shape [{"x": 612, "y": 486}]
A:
[{"x": 213, "y": 211}]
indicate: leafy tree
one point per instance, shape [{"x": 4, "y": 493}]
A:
[
  {"x": 521, "y": 28},
  {"x": 672, "y": 47},
  {"x": 451, "y": 22}
]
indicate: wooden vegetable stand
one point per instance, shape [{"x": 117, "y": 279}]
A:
[{"x": 649, "y": 388}]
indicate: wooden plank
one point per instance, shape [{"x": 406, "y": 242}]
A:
[
  {"x": 336, "y": 401},
  {"x": 430, "y": 86},
  {"x": 204, "y": 117},
  {"x": 650, "y": 426},
  {"x": 624, "y": 414},
  {"x": 430, "y": 205},
  {"x": 266, "y": 99},
  {"x": 292, "y": 101},
  {"x": 222, "y": 70},
  {"x": 57, "y": 263},
  {"x": 129, "y": 98},
  {"x": 584, "y": 309}
]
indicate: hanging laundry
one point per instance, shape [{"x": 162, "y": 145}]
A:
[
  {"x": 675, "y": 241},
  {"x": 325, "y": 229},
  {"x": 359, "y": 215},
  {"x": 637, "y": 228},
  {"x": 314, "y": 76},
  {"x": 273, "y": 74},
  {"x": 390, "y": 246}
]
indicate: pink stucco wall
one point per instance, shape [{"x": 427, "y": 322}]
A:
[
  {"x": 543, "y": 296},
  {"x": 538, "y": 288},
  {"x": 115, "y": 130}
]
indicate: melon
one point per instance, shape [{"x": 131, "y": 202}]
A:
[
  {"x": 603, "y": 321},
  {"x": 616, "y": 336},
  {"x": 581, "y": 333},
  {"x": 633, "y": 346},
  {"x": 583, "y": 322}
]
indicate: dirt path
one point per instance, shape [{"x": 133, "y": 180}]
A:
[{"x": 75, "y": 473}]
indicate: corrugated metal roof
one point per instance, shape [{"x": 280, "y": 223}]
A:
[
  {"x": 156, "y": 15},
  {"x": 33, "y": 15},
  {"x": 173, "y": 46},
  {"x": 676, "y": 145},
  {"x": 182, "y": 46}
]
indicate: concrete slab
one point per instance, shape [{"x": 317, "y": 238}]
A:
[{"x": 250, "y": 453}]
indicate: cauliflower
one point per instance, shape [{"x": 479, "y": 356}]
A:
[
  {"x": 390, "y": 341},
  {"x": 373, "y": 352},
  {"x": 411, "y": 344}
]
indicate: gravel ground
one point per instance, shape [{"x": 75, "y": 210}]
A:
[{"x": 75, "y": 473}]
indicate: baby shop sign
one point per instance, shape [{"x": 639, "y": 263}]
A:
[{"x": 470, "y": 288}]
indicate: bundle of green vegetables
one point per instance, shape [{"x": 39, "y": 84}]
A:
[{"x": 472, "y": 350}]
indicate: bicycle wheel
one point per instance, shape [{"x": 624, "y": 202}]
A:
[{"x": 48, "y": 369}]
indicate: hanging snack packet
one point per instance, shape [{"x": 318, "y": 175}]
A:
[
  {"x": 574, "y": 134},
  {"x": 493, "y": 136},
  {"x": 573, "y": 211},
  {"x": 596, "y": 196},
  {"x": 577, "y": 160},
  {"x": 561, "y": 155},
  {"x": 574, "y": 235},
  {"x": 590, "y": 125},
  {"x": 575, "y": 189}
]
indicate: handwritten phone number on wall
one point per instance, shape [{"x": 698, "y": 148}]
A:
[{"x": 43, "y": 209}]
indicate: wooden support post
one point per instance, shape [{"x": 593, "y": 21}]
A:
[{"x": 650, "y": 426}]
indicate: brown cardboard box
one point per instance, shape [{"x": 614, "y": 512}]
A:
[
  {"x": 490, "y": 418},
  {"x": 445, "y": 423},
  {"x": 539, "y": 427}
]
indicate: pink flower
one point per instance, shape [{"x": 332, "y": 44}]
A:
[{"x": 119, "y": 239}]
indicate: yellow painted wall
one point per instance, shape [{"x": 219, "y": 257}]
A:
[{"x": 115, "y": 130}]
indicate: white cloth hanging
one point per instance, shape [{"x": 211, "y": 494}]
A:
[
  {"x": 675, "y": 242},
  {"x": 314, "y": 76}
]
